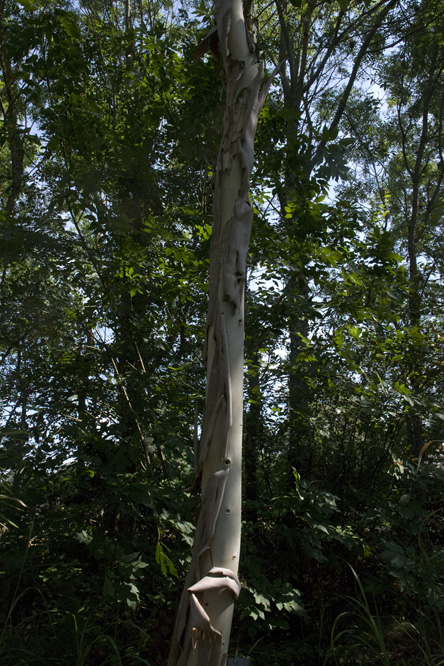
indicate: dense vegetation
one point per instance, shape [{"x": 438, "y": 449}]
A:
[{"x": 109, "y": 128}]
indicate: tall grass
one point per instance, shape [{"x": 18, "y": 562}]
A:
[{"x": 368, "y": 636}]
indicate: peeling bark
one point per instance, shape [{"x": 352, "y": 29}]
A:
[{"x": 203, "y": 624}]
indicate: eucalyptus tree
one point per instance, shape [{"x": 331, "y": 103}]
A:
[
  {"x": 329, "y": 48},
  {"x": 26, "y": 228},
  {"x": 415, "y": 182},
  {"x": 203, "y": 623},
  {"x": 398, "y": 159},
  {"x": 105, "y": 166}
]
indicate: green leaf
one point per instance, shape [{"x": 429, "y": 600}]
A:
[
  {"x": 162, "y": 559},
  {"x": 29, "y": 5}
]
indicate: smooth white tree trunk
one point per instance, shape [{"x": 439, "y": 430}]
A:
[{"x": 203, "y": 624}]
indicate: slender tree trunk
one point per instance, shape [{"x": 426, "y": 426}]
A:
[
  {"x": 300, "y": 443},
  {"x": 254, "y": 437},
  {"x": 414, "y": 421},
  {"x": 203, "y": 624},
  {"x": 9, "y": 111}
]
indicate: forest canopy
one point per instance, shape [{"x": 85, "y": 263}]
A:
[{"x": 111, "y": 115}]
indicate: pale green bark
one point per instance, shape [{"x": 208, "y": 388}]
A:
[{"x": 203, "y": 624}]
